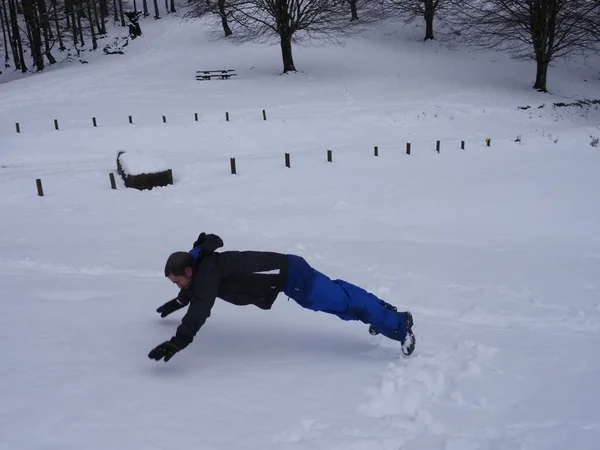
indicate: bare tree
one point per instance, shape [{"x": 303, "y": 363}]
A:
[
  {"x": 289, "y": 21},
  {"x": 221, "y": 8},
  {"x": 365, "y": 10},
  {"x": 409, "y": 10},
  {"x": 543, "y": 30}
]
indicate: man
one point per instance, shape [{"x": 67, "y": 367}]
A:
[{"x": 257, "y": 278}]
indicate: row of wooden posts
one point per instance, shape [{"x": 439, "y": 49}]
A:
[
  {"x": 438, "y": 146},
  {"x": 164, "y": 119},
  {"x": 287, "y": 159}
]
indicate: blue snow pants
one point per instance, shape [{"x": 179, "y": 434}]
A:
[{"x": 313, "y": 290}]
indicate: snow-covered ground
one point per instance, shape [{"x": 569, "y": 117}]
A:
[{"x": 495, "y": 250}]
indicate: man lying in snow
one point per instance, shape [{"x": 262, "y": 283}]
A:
[{"x": 257, "y": 278}]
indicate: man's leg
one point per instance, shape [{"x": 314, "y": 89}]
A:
[{"x": 314, "y": 290}]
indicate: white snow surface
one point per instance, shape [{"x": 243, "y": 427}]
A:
[
  {"x": 137, "y": 162},
  {"x": 495, "y": 250}
]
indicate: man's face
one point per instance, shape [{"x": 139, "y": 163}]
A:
[{"x": 182, "y": 281}]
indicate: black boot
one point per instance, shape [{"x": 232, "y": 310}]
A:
[{"x": 408, "y": 344}]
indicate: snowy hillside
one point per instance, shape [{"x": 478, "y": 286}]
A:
[{"x": 495, "y": 249}]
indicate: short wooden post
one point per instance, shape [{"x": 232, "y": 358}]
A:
[
  {"x": 376, "y": 150},
  {"x": 232, "y": 163},
  {"x": 287, "y": 160},
  {"x": 18, "y": 127},
  {"x": 329, "y": 156},
  {"x": 170, "y": 172},
  {"x": 112, "y": 180},
  {"x": 488, "y": 141},
  {"x": 55, "y": 124},
  {"x": 130, "y": 119},
  {"x": 264, "y": 115},
  {"x": 40, "y": 190},
  {"x": 437, "y": 146},
  {"x": 227, "y": 116},
  {"x": 94, "y": 122},
  {"x": 196, "y": 116},
  {"x": 408, "y": 148},
  {"x": 462, "y": 145},
  {"x": 164, "y": 119}
]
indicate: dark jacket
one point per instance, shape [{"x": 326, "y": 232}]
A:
[{"x": 238, "y": 277}]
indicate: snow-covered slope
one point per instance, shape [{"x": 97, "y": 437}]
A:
[{"x": 494, "y": 249}]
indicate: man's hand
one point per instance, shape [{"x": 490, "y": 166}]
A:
[
  {"x": 170, "y": 307},
  {"x": 168, "y": 348}
]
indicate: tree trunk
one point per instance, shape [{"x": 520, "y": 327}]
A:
[
  {"x": 34, "y": 32},
  {"x": 68, "y": 7},
  {"x": 121, "y": 13},
  {"x": 541, "y": 75},
  {"x": 4, "y": 27},
  {"x": 90, "y": 17},
  {"x": 224, "y": 21},
  {"x": 45, "y": 23},
  {"x": 354, "y": 10},
  {"x": 79, "y": 26},
  {"x": 286, "y": 53},
  {"x": 145, "y": 4},
  {"x": 98, "y": 19},
  {"x": 11, "y": 40},
  {"x": 115, "y": 12},
  {"x": 543, "y": 32},
  {"x": 74, "y": 26},
  {"x": 167, "y": 6},
  {"x": 429, "y": 14},
  {"x": 173, "y": 10},
  {"x": 285, "y": 35},
  {"x": 61, "y": 44},
  {"x": 104, "y": 11},
  {"x": 156, "y": 11},
  {"x": 16, "y": 35}
]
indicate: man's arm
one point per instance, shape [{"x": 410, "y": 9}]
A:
[
  {"x": 183, "y": 298},
  {"x": 204, "y": 294}
]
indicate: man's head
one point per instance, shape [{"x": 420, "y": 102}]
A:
[{"x": 180, "y": 268}]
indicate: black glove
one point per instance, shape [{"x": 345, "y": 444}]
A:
[
  {"x": 170, "y": 307},
  {"x": 168, "y": 348}
]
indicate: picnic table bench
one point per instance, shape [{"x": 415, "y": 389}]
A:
[{"x": 223, "y": 74}]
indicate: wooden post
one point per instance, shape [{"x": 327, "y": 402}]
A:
[
  {"x": 196, "y": 116},
  {"x": 462, "y": 145},
  {"x": 437, "y": 146},
  {"x": 232, "y": 163},
  {"x": 40, "y": 190},
  {"x": 55, "y": 124},
  {"x": 488, "y": 141},
  {"x": 287, "y": 160},
  {"x": 94, "y": 122},
  {"x": 112, "y": 180},
  {"x": 164, "y": 119},
  {"x": 329, "y": 156},
  {"x": 18, "y": 127},
  {"x": 130, "y": 119},
  {"x": 227, "y": 116},
  {"x": 264, "y": 115},
  {"x": 376, "y": 151},
  {"x": 170, "y": 176},
  {"x": 408, "y": 148}
]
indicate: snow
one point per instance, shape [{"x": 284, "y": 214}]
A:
[
  {"x": 495, "y": 250},
  {"x": 138, "y": 162}
]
